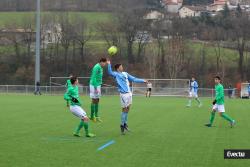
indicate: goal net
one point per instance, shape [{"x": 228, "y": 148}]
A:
[
  {"x": 163, "y": 87},
  {"x": 244, "y": 90}
]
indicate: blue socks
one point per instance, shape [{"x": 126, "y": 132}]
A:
[{"x": 124, "y": 118}]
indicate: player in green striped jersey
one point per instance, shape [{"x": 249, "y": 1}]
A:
[
  {"x": 218, "y": 104},
  {"x": 95, "y": 88},
  {"x": 68, "y": 84},
  {"x": 72, "y": 96}
]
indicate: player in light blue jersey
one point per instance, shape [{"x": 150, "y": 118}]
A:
[
  {"x": 123, "y": 80},
  {"x": 193, "y": 92}
]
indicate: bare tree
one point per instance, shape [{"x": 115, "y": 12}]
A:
[
  {"x": 216, "y": 38},
  {"x": 82, "y": 34},
  {"x": 111, "y": 34},
  {"x": 152, "y": 60},
  {"x": 241, "y": 34},
  {"x": 16, "y": 40},
  {"x": 130, "y": 22},
  {"x": 28, "y": 38},
  {"x": 66, "y": 37},
  {"x": 142, "y": 40},
  {"x": 175, "y": 55}
]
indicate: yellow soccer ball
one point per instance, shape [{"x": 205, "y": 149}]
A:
[{"x": 112, "y": 50}]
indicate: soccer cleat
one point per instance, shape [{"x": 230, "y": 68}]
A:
[
  {"x": 93, "y": 119},
  {"x": 90, "y": 135},
  {"x": 122, "y": 130},
  {"x": 76, "y": 135},
  {"x": 232, "y": 124},
  {"x": 98, "y": 119},
  {"x": 126, "y": 127},
  {"x": 208, "y": 125},
  {"x": 200, "y": 105},
  {"x": 188, "y": 105}
]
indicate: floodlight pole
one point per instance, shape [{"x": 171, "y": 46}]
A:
[{"x": 38, "y": 29}]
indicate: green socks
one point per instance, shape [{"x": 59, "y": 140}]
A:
[
  {"x": 223, "y": 115},
  {"x": 86, "y": 127},
  {"x": 96, "y": 110},
  {"x": 92, "y": 111},
  {"x": 226, "y": 117},
  {"x": 79, "y": 127},
  {"x": 212, "y": 116},
  {"x": 82, "y": 124}
]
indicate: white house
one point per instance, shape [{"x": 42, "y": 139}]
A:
[
  {"x": 51, "y": 33},
  {"x": 172, "y": 6},
  {"x": 191, "y": 11},
  {"x": 218, "y": 5},
  {"x": 236, "y": 2},
  {"x": 154, "y": 15}
]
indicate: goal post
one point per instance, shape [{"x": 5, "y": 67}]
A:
[{"x": 163, "y": 87}]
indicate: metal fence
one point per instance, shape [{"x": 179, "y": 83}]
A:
[
  {"x": 60, "y": 90},
  {"x": 50, "y": 90}
]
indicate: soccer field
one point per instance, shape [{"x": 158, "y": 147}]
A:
[{"x": 37, "y": 131}]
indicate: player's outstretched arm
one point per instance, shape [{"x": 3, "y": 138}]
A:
[
  {"x": 110, "y": 72},
  {"x": 137, "y": 80}
]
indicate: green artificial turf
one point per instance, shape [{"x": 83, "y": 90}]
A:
[{"x": 37, "y": 131}]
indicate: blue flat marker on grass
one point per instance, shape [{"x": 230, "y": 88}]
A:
[{"x": 106, "y": 145}]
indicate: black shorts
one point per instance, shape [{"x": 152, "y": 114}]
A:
[{"x": 149, "y": 89}]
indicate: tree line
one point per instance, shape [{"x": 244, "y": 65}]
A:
[
  {"x": 65, "y": 5},
  {"x": 165, "y": 48}
]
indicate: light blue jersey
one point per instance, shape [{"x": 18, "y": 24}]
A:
[
  {"x": 194, "y": 86},
  {"x": 122, "y": 80}
]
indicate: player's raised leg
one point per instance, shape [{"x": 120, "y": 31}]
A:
[
  {"x": 84, "y": 122},
  {"x": 222, "y": 113}
]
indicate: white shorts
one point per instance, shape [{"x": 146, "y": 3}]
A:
[
  {"x": 126, "y": 99},
  {"x": 78, "y": 111},
  {"x": 219, "y": 107},
  {"x": 193, "y": 94},
  {"x": 94, "y": 93}
]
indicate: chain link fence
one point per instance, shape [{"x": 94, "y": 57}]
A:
[
  {"x": 50, "y": 90},
  {"x": 84, "y": 90}
]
